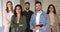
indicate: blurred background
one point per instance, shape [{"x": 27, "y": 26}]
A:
[{"x": 45, "y": 4}]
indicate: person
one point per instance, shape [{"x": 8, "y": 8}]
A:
[
  {"x": 54, "y": 24},
  {"x": 7, "y": 16},
  {"x": 27, "y": 12},
  {"x": 18, "y": 21},
  {"x": 39, "y": 20}
]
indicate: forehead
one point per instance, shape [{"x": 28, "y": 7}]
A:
[
  {"x": 17, "y": 7},
  {"x": 26, "y": 4},
  {"x": 9, "y": 3},
  {"x": 51, "y": 6},
  {"x": 37, "y": 4}
]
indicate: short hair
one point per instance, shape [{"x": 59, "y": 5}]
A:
[
  {"x": 27, "y": 3},
  {"x": 38, "y": 2}
]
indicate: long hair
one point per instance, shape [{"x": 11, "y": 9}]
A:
[
  {"x": 15, "y": 9},
  {"x": 53, "y": 8},
  {"x": 7, "y": 7}
]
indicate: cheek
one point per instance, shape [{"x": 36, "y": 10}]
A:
[
  {"x": 36, "y": 7},
  {"x": 51, "y": 10},
  {"x": 19, "y": 11}
]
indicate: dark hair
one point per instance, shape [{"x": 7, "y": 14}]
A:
[
  {"x": 7, "y": 7},
  {"x": 27, "y": 3},
  {"x": 49, "y": 7},
  {"x": 15, "y": 9},
  {"x": 38, "y": 2}
]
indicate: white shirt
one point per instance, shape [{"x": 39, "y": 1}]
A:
[
  {"x": 38, "y": 19},
  {"x": 10, "y": 14}
]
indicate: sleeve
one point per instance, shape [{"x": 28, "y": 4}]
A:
[
  {"x": 13, "y": 25},
  {"x": 57, "y": 23},
  {"x": 6, "y": 18},
  {"x": 47, "y": 23},
  {"x": 31, "y": 22},
  {"x": 12, "y": 22},
  {"x": 24, "y": 22}
]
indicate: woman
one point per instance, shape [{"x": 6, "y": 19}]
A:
[
  {"x": 54, "y": 24},
  {"x": 7, "y": 16},
  {"x": 18, "y": 21}
]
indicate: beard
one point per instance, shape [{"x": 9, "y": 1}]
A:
[{"x": 27, "y": 8}]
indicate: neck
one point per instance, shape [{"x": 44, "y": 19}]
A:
[
  {"x": 9, "y": 9},
  {"x": 27, "y": 10},
  {"x": 38, "y": 11},
  {"x": 51, "y": 12}
]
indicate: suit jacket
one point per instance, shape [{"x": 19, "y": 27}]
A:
[
  {"x": 15, "y": 26},
  {"x": 7, "y": 21},
  {"x": 44, "y": 19},
  {"x": 56, "y": 24}
]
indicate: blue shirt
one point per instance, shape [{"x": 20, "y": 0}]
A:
[{"x": 44, "y": 19}]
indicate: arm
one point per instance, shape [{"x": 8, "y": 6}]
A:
[
  {"x": 31, "y": 23},
  {"x": 57, "y": 23},
  {"x": 47, "y": 23},
  {"x": 12, "y": 22},
  {"x": 24, "y": 22}
]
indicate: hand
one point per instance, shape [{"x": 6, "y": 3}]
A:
[
  {"x": 36, "y": 27},
  {"x": 40, "y": 25},
  {"x": 21, "y": 25},
  {"x": 51, "y": 26}
]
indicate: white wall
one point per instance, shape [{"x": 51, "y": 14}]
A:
[{"x": 0, "y": 14}]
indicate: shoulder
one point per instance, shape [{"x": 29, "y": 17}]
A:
[
  {"x": 44, "y": 14},
  {"x": 31, "y": 11},
  {"x": 56, "y": 15},
  {"x": 24, "y": 11},
  {"x": 34, "y": 14},
  {"x": 5, "y": 12},
  {"x": 23, "y": 16},
  {"x": 13, "y": 16}
]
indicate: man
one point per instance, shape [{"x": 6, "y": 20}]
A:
[
  {"x": 39, "y": 20},
  {"x": 27, "y": 12}
]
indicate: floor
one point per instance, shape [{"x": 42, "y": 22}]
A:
[{"x": 1, "y": 29}]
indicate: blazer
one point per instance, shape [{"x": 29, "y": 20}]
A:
[
  {"x": 7, "y": 21},
  {"x": 56, "y": 24},
  {"x": 44, "y": 19},
  {"x": 15, "y": 26}
]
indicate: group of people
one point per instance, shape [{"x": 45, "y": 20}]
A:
[{"x": 17, "y": 20}]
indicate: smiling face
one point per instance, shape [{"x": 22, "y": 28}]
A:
[
  {"x": 18, "y": 10},
  {"x": 38, "y": 7}
]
